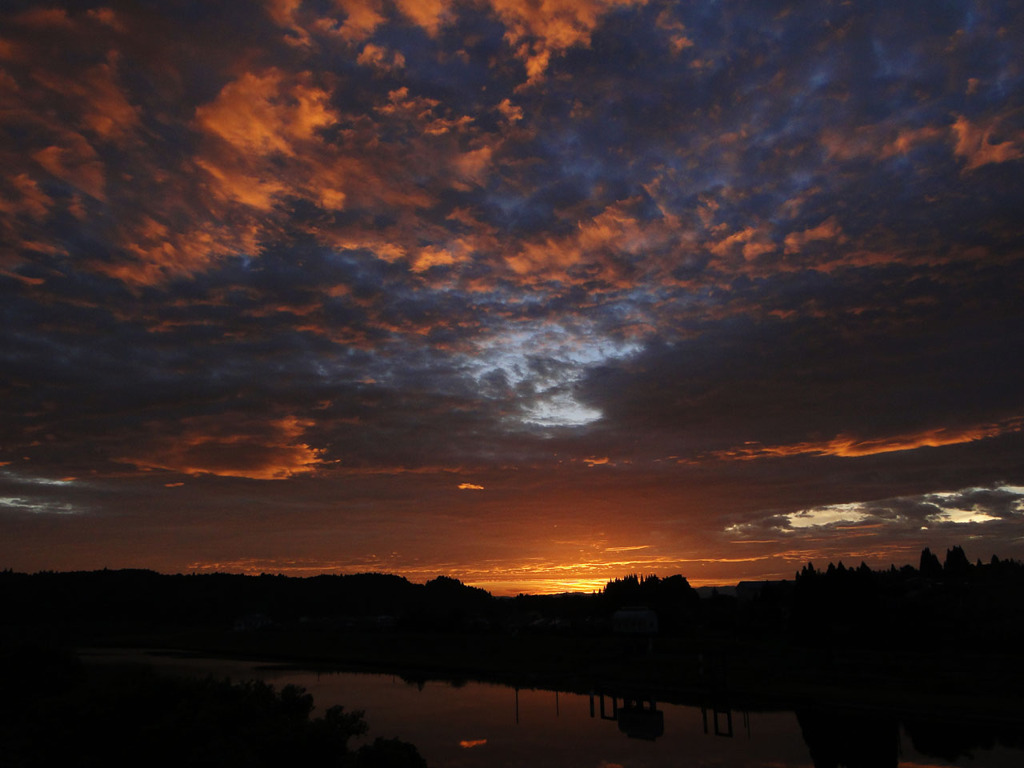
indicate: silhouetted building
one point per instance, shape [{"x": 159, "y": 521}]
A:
[
  {"x": 635, "y": 621},
  {"x": 252, "y": 622},
  {"x": 751, "y": 590}
]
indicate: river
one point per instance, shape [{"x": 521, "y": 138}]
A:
[{"x": 455, "y": 725}]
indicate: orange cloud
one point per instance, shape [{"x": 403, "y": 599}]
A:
[
  {"x": 262, "y": 145},
  {"x": 75, "y": 161},
  {"x": 676, "y": 31},
  {"x": 26, "y": 198},
  {"x": 106, "y": 16},
  {"x": 850, "y": 144},
  {"x": 974, "y": 142},
  {"x": 433, "y": 256},
  {"x": 422, "y": 111},
  {"x": 266, "y": 113},
  {"x": 234, "y": 184},
  {"x": 161, "y": 253},
  {"x": 595, "y": 243},
  {"x": 472, "y": 166},
  {"x": 20, "y": 278},
  {"x": 353, "y": 21},
  {"x": 362, "y": 17},
  {"x": 848, "y": 446},
  {"x": 535, "y": 30},
  {"x": 827, "y": 230},
  {"x": 284, "y": 13},
  {"x": 470, "y": 487},
  {"x": 538, "y": 30},
  {"x": 880, "y": 140},
  {"x": 379, "y": 57},
  {"x": 45, "y": 18},
  {"x": 103, "y": 106},
  {"x": 470, "y": 743},
  {"x": 751, "y": 241},
  {"x": 907, "y": 139},
  {"x": 427, "y": 14},
  {"x": 510, "y": 111},
  {"x": 207, "y": 446}
]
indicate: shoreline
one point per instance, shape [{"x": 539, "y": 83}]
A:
[{"x": 936, "y": 686}]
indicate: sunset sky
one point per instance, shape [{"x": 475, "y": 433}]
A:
[{"x": 532, "y": 293}]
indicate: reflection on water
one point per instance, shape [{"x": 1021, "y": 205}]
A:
[
  {"x": 850, "y": 739},
  {"x": 488, "y": 725},
  {"x": 479, "y": 724},
  {"x": 637, "y": 717}
]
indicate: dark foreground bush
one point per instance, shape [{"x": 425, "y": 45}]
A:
[{"x": 57, "y": 712}]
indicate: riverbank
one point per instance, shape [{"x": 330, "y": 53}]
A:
[{"x": 695, "y": 670}]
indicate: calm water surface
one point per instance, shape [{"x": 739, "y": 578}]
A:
[{"x": 480, "y": 724}]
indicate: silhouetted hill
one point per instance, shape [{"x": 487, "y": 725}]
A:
[{"x": 148, "y": 600}]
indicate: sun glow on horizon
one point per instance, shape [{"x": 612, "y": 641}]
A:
[{"x": 513, "y": 587}]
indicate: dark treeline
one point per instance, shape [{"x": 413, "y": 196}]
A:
[
  {"x": 949, "y": 603},
  {"x": 143, "y": 600}
]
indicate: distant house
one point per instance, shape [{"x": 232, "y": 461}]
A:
[
  {"x": 252, "y": 622},
  {"x": 635, "y": 621},
  {"x": 747, "y": 591}
]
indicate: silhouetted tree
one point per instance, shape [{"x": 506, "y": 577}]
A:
[
  {"x": 127, "y": 716},
  {"x": 672, "y": 598},
  {"x": 388, "y": 753},
  {"x": 956, "y": 564},
  {"x": 930, "y": 566},
  {"x": 837, "y": 738}
]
